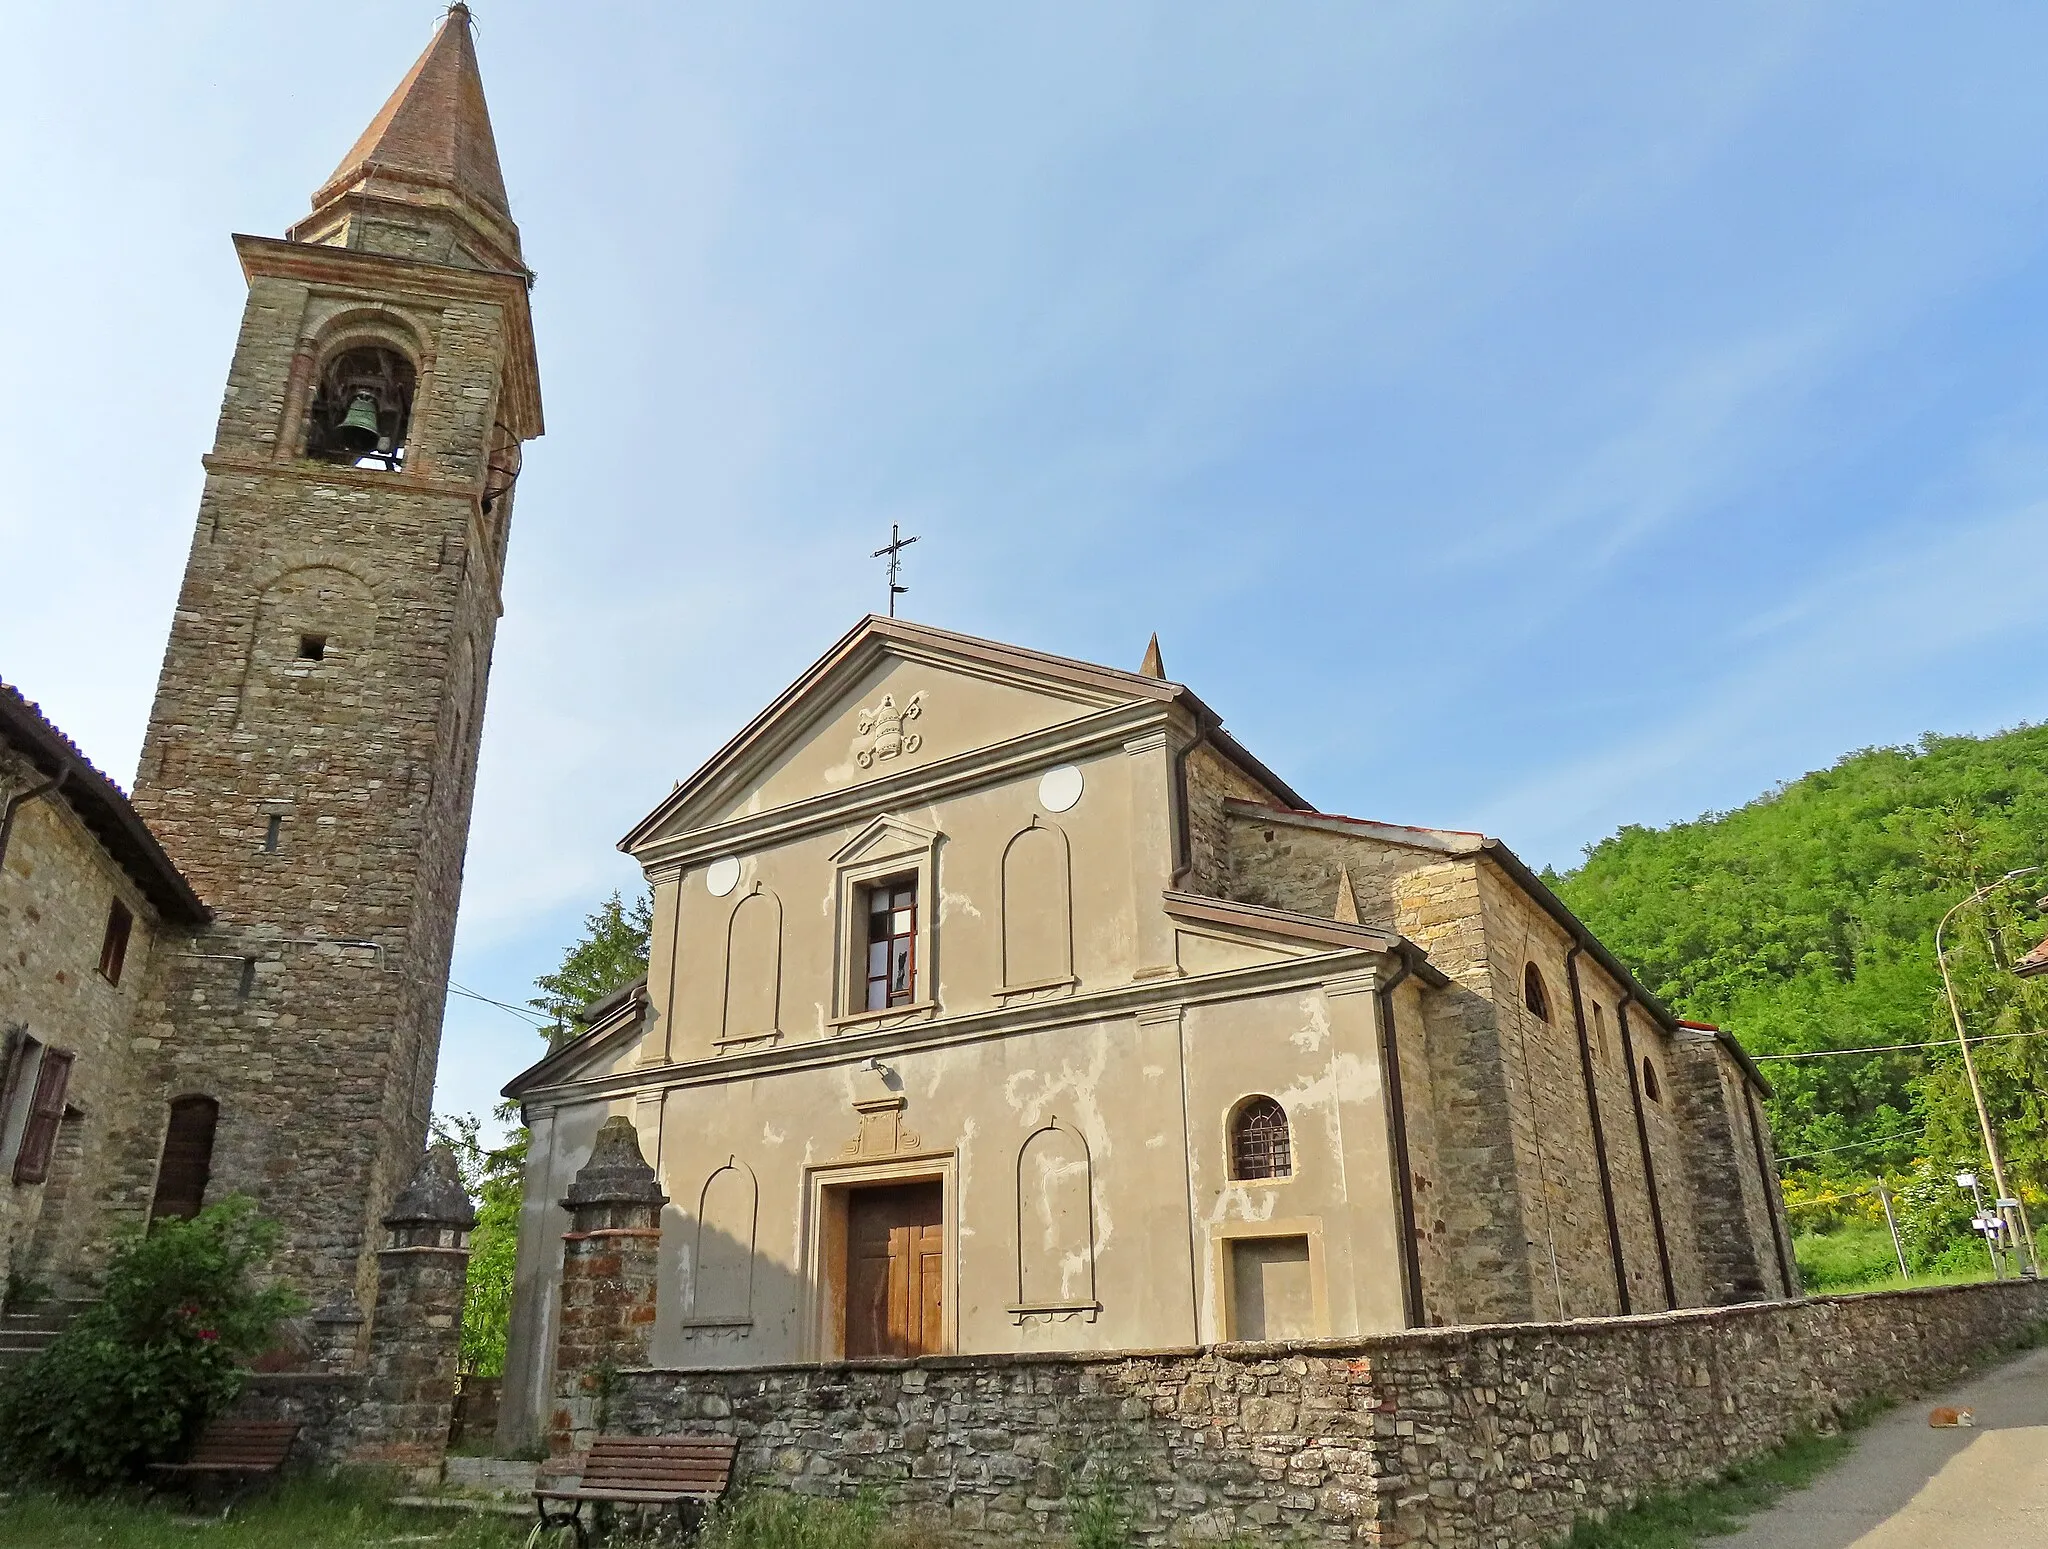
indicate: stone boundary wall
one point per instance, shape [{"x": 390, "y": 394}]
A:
[
  {"x": 1460, "y": 1438},
  {"x": 325, "y": 1403}
]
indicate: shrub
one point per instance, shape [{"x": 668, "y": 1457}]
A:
[{"x": 167, "y": 1346}]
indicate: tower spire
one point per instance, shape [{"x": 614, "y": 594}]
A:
[{"x": 422, "y": 181}]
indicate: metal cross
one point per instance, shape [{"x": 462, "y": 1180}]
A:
[{"x": 894, "y": 549}]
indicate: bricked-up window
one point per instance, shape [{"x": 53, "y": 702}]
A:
[
  {"x": 892, "y": 944},
  {"x": 114, "y": 945},
  {"x": 1651, "y": 1089},
  {"x": 45, "y": 1113},
  {"x": 1534, "y": 995},
  {"x": 187, "y": 1165},
  {"x": 1260, "y": 1145}
]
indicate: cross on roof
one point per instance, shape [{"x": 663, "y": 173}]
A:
[{"x": 894, "y": 549}]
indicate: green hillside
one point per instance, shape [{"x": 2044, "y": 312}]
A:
[{"x": 1805, "y": 921}]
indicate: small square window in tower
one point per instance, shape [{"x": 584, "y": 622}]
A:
[{"x": 892, "y": 944}]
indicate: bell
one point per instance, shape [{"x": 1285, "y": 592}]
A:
[{"x": 358, "y": 428}]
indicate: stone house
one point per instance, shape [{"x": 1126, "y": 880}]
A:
[
  {"x": 287, "y": 872},
  {"x": 1002, "y": 1003},
  {"x": 88, "y": 900}
]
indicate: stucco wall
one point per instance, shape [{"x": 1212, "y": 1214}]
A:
[{"x": 1468, "y": 1438}]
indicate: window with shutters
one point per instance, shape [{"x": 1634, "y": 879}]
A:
[
  {"x": 187, "y": 1165},
  {"x": 45, "y": 1113},
  {"x": 114, "y": 945},
  {"x": 17, "y": 1090}
]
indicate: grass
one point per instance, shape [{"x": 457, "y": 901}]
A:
[
  {"x": 306, "y": 1513},
  {"x": 1680, "y": 1520}
]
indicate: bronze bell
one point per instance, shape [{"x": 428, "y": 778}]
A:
[{"x": 358, "y": 428}]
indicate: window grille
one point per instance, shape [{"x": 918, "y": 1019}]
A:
[
  {"x": 1260, "y": 1146},
  {"x": 892, "y": 944},
  {"x": 1534, "y": 995}
]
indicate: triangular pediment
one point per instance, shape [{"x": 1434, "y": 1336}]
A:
[
  {"x": 889, "y": 698},
  {"x": 884, "y": 839}
]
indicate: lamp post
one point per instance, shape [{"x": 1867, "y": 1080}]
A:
[{"x": 1955, "y": 1011}]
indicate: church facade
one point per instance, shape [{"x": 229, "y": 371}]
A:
[
  {"x": 284, "y": 880},
  {"x": 1001, "y": 1002}
]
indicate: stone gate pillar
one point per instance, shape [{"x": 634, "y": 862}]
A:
[
  {"x": 608, "y": 1281},
  {"x": 416, "y": 1333}
]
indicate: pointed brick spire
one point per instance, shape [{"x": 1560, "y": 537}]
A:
[
  {"x": 1154, "y": 665},
  {"x": 430, "y": 147}
]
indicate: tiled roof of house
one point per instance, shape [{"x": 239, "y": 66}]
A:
[{"x": 101, "y": 805}]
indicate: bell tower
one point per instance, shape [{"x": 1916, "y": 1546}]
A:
[{"x": 310, "y": 754}]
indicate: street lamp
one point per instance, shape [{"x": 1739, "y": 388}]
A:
[{"x": 2007, "y": 1200}]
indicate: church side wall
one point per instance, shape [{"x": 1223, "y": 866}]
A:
[
  {"x": 57, "y": 887},
  {"x": 1475, "y": 1255}
]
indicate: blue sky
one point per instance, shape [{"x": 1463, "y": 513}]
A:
[{"x": 1535, "y": 419}]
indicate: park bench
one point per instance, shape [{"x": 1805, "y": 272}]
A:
[
  {"x": 685, "y": 1472},
  {"x": 239, "y": 1453}
]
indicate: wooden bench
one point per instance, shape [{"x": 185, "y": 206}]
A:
[
  {"x": 242, "y": 1452},
  {"x": 681, "y": 1471}
]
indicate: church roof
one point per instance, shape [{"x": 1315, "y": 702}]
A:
[{"x": 100, "y": 804}]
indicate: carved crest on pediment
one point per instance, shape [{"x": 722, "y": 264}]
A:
[{"x": 883, "y": 733}]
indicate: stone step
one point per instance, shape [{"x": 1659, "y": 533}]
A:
[
  {"x": 475, "y": 1505},
  {"x": 506, "y": 1478}
]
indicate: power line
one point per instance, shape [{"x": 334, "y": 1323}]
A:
[
  {"x": 531, "y": 1016},
  {"x": 1854, "y": 1145},
  {"x": 1893, "y": 1048}
]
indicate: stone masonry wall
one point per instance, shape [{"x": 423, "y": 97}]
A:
[
  {"x": 312, "y": 1011},
  {"x": 1467, "y": 1438},
  {"x": 57, "y": 887}
]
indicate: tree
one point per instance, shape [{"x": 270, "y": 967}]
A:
[
  {"x": 1804, "y": 922},
  {"x": 611, "y": 954}
]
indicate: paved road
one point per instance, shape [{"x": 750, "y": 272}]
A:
[{"x": 1909, "y": 1486}]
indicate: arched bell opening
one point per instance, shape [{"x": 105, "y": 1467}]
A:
[{"x": 362, "y": 409}]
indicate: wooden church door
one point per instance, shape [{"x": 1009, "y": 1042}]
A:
[{"x": 896, "y": 1271}]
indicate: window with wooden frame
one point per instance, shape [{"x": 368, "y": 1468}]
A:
[
  {"x": 1534, "y": 995},
  {"x": 44, "y": 1113},
  {"x": 114, "y": 945},
  {"x": 1260, "y": 1143},
  {"x": 891, "y": 967}
]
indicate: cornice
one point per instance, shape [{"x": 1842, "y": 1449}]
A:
[
  {"x": 1103, "y": 731},
  {"x": 1149, "y": 1002},
  {"x": 380, "y": 276},
  {"x": 310, "y": 469}
]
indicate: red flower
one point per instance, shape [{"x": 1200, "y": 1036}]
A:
[{"x": 207, "y": 1333}]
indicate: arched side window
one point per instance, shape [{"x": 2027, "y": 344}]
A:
[
  {"x": 1534, "y": 995},
  {"x": 1651, "y": 1089},
  {"x": 1260, "y": 1145},
  {"x": 187, "y": 1165},
  {"x": 362, "y": 409}
]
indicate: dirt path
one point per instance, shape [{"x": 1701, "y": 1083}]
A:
[{"x": 1909, "y": 1486}]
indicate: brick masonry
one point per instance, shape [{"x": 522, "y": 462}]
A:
[{"x": 1459, "y": 1438}]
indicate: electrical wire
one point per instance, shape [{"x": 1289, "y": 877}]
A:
[
  {"x": 533, "y": 1017},
  {"x": 1893, "y": 1048}
]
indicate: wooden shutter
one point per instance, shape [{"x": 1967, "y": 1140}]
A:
[
  {"x": 45, "y": 1112},
  {"x": 187, "y": 1165}
]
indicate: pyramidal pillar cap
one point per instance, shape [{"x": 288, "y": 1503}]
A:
[
  {"x": 435, "y": 1197},
  {"x": 616, "y": 1174}
]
